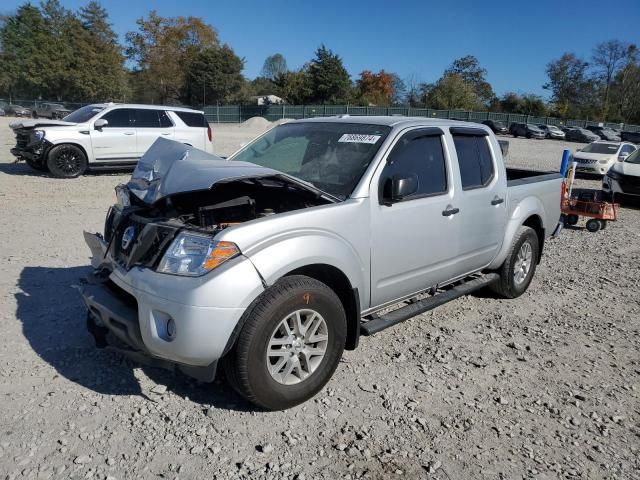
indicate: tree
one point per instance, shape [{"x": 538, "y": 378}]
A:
[
  {"x": 273, "y": 66},
  {"x": 330, "y": 82},
  {"x": 570, "y": 88},
  {"x": 295, "y": 87},
  {"x": 607, "y": 59},
  {"x": 375, "y": 88},
  {"x": 625, "y": 89},
  {"x": 451, "y": 92},
  {"x": 163, "y": 49},
  {"x": 399, "y": 90},
  {"x": 527, "y": 104},
  {"x": 215, "y": 75},
  {"x": 413, "y": 84},
  {"x": 469, "y": 70}
]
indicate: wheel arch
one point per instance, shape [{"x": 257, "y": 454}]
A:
[
  {"x": 535, "y": 222},
  {"x": 349, "y": 296},
  {"x": 68, "y": 142}
]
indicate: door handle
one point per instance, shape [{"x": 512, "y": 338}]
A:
[
  {"x": 165, "y": 133},
  {"x": 129, "y": 133},
  {"x": 450, "y": 211},
  {"x": 497, "y": 201}
]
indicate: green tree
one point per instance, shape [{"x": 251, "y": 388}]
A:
[
  {"x": 399, "y": 90},
  {"x": 330, "y": 81},
  {"x": 527, "y": 104},
  {"x": 273, "y": 66},
  {"x": 625, "y": 89},
  {"x": 215, "y": 75},
  {"x": 162, "y": 50},
  {"x": 469, "y": 70},
  {"x": 295, "y": 87},
  {"x": 451, "y": 92},
  {"x": 571, "y": 89}
]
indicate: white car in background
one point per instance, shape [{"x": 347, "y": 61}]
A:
[
  {"x": 105, "y": 135},
  {"x": 623, "y": 178},
  {"x": 598, "y": 157}
]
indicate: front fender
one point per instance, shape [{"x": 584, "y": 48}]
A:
[
  {"x": 524, "y": 209},
  {"x": 295, "y": 249}
]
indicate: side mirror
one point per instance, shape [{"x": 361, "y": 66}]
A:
[
  {"x": 399, "y": 187},
  {"x": 622, "y": 156},
  {"x": 100, "y": 124}
]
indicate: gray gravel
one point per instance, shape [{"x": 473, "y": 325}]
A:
[{"x": 545, "y": 386}]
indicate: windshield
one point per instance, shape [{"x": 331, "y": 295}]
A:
[
  {"x": 83, "y": 114},
  {"x": 331, "y": 156},
  {"x": 634, "y": 158},
  {"x": 498, "y": 124},
  {"x": 531, "y": 126},
  {"x": 606, "y": 148}
]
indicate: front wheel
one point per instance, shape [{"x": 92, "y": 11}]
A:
[
  {"x": 290, "y": 344},
  {"x": 66, "y": 161},
  {"x": 593, "y": 225},
  {"x": 519, "y": 267}
]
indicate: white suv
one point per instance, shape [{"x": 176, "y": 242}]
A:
[{"x": 105, "y": 136}]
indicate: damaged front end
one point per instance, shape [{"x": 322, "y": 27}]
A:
[
  {"x": 165, "y": 222},
  {"x": 31, "y": 146}
]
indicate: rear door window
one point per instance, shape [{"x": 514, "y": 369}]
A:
[
  {"x": 147, "y": 118},
  {"x": 475, "y": 161}
]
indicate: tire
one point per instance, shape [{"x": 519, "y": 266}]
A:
[
  {"x": 571, "y": 219},
  {"x": 248, "y": 366},
  {"x": 515, "y": 135},
  {"x": 66, "y": 161},
  {"x": 508, "y": 286},
  {"x": 593, "y": 225}
]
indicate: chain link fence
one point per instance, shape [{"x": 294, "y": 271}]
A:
[{"x": 240, "y": 113}]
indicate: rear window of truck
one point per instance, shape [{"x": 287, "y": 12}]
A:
[{"x": 474, "y": 159}]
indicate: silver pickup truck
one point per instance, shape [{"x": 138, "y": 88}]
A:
[{"x": 274, "y": 261}]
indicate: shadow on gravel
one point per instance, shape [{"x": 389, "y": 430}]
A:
[
  {"x": 22, "y": 169},
  {"x": 53, "y": 322}
]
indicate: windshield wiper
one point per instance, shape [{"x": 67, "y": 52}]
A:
[{"x": 310, "y": 186}]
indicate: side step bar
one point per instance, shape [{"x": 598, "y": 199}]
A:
[{"x": 405, "y": 313}]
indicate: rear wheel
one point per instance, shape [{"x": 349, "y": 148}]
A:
[
  {"x": 66, "y": 161},
  {"x": 289, "y": 345},
  {"x": 519, "y": 267}
]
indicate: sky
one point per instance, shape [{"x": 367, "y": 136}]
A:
[{"x": 514, "y": 41}]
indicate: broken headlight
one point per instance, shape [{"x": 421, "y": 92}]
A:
[
  {"x": 38, "y": 135},
  {"x": 193, "y": 254}
]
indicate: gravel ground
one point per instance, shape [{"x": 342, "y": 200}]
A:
[{"x": 544, "y": 386}]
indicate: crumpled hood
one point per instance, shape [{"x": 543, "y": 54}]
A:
[
  {"x": 39, "y": 123},
  {"x": 171, "y": 167}
]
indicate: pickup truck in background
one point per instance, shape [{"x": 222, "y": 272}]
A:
[{"x": 274, "y": 261}]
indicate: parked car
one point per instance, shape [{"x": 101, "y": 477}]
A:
[
  {"x": 552, "y": 131},
  {"x": 50, "y": 110},
  {"x": 633, "y": 137},
  {"x": 2, "y": 112},
  {"x": 496, "y": 126},
  {"x": 528, "y": 130},
  {"x": 604, "y": 133},
  {"x": 598, "y": 157},
  {"x": 105, "y": 136},
  {"x": 565, "y": 128},
  {"x": 623, "y": 178},
  {"x": 276, "y": 260},
  {"x": 17, "y": 111},
  {"x": 577, "y": 134}
]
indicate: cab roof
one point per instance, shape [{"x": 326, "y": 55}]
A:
[
  {"x": 146, "y": 107},
  {"x": 395, "y": 121}
]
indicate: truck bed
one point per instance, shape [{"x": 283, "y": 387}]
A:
[{"x": 521, "y": 176}]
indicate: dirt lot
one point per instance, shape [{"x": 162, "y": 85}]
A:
[{"x": 545, "y": 386}]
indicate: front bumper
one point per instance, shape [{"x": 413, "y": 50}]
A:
[
  {"x": 34, "y": 151},
  {"x": 624, "y": 186},
  {"x": 138, "y": 305},
  {"x": 592, "y": 166}
]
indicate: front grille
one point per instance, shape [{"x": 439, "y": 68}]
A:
[
  {"x": 146, "y": 244},
  {"x": 22, "y": 139},
  {"x": 585, "y": 161},
  {"x": 629, "y": 184}
]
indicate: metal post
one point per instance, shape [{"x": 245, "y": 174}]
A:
[{"x": 218, "y": 112}]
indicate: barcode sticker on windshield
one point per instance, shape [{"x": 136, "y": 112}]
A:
[{"x": 359, "y": 138}]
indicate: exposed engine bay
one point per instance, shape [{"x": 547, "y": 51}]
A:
[{"x": 138, "y": 234}]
